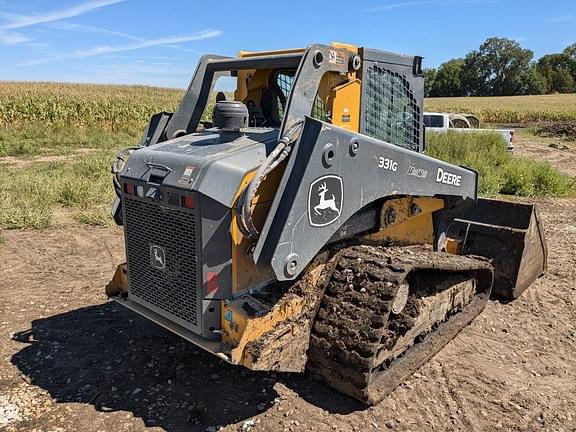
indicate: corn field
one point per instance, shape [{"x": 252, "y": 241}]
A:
[
  {"x": 116, "y": 107},
  {"x": 106, "y": 106},
  {"x": 510, "y": 109}
]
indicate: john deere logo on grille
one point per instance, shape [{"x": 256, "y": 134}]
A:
[
  {"x": 157, "y": 257},
  {"x": 325, "y": 200}
]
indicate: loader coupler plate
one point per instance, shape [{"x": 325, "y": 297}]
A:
[{"x": 508, "y": 233}]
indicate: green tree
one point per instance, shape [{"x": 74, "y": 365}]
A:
[
  {"x": 429, "y": 78},
  {"x": 537, "y": 83},
  {"x": 559, "y": 70},
  {"x": 499, "y": 68},
  {"x": 570, "y": 50},
  {"x": 448, "y": 79}
]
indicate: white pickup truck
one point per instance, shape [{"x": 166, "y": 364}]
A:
[{"x": 442, "y": 122}]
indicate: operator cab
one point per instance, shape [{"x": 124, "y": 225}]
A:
[
  {"x": 264, "y": 92},
  {"x": 263, "y": 81}
]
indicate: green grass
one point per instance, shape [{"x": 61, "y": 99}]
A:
[
  {"x": 36, "y": 139},
  {"x": 25, "y": 215},
  {"x": 80, "y": 183},
  {"x": 29, "y": 194},
  {"x": 98, "y": 215},
  {"x": 499, "y": 171}
]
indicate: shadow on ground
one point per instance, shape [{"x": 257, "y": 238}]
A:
[{"x": 109, "y": 357}]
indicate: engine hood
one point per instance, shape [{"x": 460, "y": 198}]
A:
[{"x": 200, "y": 162}]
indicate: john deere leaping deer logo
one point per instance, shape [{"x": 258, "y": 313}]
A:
[
  {"x": 325, "y": 203},
  {"x": 157, "y": 257},
  {"x": 325, "y": 200}
]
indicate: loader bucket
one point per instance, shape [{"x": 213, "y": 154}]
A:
[{"x": 510, "y": 235}]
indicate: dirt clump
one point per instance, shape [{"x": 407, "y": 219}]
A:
[{"x": 566, "y": 130}]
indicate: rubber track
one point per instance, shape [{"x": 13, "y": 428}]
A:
[{"x": 354, "y": 322}]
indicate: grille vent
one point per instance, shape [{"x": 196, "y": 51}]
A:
[{"x": 173, "y": 290}]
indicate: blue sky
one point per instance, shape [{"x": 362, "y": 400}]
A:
[{"x": 158, "y": 42}]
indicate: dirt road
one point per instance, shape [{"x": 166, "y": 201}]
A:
[{"x": 71, "y": 361}]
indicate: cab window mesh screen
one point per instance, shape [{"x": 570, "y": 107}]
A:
[
  {"x": 319, "y": 109},
  {"x": 391, "y": 112},
  {"x": 284, "y": 81}
]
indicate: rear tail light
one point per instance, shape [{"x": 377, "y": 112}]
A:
[
  {"x": 188, "y": 201},
  {"x": 129, "y": 188},
  {"x": 211, "y": 282}
]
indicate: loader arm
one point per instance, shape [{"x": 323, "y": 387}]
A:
[{"x": 356, "y": 170}]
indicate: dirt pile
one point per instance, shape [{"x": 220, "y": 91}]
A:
[{"x": 566, "y": 130}]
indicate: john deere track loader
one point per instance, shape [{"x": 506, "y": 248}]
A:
[{"x": 302, "y": 227}]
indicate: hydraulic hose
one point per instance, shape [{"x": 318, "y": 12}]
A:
[
  {"x": 276, "y": 156},
  {"x": 118, "y": 166}
]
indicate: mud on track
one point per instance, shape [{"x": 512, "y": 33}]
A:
[{"x": 71, "y": 361}]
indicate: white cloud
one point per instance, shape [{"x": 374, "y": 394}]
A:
[
  {"x": 7, "y": 38},
  {"x": 142, "y": 57},
  {"x": 64, "y": 25},
  {"x": 144, "y": 43},
  {"x": 38, "y": 44},
  {"x": 21, "y": 21},
  {"x": 426, "y": 3},
  {"x": 106, "y": 49}
]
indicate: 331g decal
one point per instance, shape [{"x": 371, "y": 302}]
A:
[{"x": 387, "y": 164}]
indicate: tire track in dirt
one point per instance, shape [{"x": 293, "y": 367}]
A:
[{"x": 467, "y": 419}]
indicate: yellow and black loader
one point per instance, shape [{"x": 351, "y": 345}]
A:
[{"x": 304, "y": 228}]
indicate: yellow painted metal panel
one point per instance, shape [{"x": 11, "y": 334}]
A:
[
  {"x": 345, "y": 102},
  {"x": 407, "y": 221}
]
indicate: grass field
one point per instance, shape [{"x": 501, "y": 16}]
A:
[
  {"x": 83, "y": 126},
  {"x": 510, "y": 109},
  {"x": 29, "y": 195},
  {"x": 499, "y": 171},
  {"x": 86, "y": 123}
]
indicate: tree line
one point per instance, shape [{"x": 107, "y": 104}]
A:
[{"x": 501, "y": 67}]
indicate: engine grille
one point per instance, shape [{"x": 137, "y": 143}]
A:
[
  {"x": 391, "y": 111},
  {"x": 172, "y": 290}
]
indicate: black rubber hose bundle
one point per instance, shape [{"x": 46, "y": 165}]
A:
[{"x": 276, "y": 156}]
